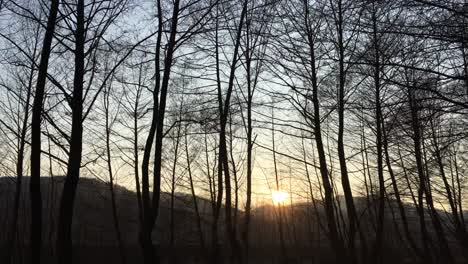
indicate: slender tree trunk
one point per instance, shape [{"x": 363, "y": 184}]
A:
[
  {"x": 223, "y": 154},
  {"x": 459, "y": 189},
  {"x": 52, "y": 199},
  {"x": 378, "y": 121},
  {"x": 235, "y": 179},
  {"x": 217, "y": 210},
  {"x": 465, "y": 64},
  {"x": 219, "y": 195},
  {"x": 173, "y": 187},
  {"x": 311, "y": 191},
  {"x": 423, "y": 189},
  {"x": 192, "y": 190},
  {"x": 64, "y": 235},
  {"x": 161, "y": 112},
  {"x": 396, "y": 191},
  {"x": 136, "y": 151},
  {"x": 460, "y": 229},
  {"x": 365, "y": 168},
  {"x": 146, "y": 212},
  {"x": 115, "y": 217},
  {"x": 350, "y": 207},
  {"x": 150, "y": 212},
  {"x": 334, "y": 236},
  {"x": 277, "y": 185},
  {"x": 11, "y": 233},
  {"x": 211, "y": 182},
  {"x": 35, "y": 188},
  {"x": 248, "y": 203}
]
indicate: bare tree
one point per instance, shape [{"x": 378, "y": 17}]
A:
[{"x": 35, "y": 187}]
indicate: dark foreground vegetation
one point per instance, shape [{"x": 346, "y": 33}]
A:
[
  {"x": 242, "y": 131},
  {"x": 95, "y": 239}
]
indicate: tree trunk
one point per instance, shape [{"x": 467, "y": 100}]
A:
[
  {"x": 136, "y": 152},
  {"x": 173, "y": 187},
  {"x": 219, "y": 195},
  {"x": 11, "y": 233},
  {"x": 150, "y": 212},
  {"x": 64, "y": 233},
  {"x": 146, "y": 212},
  {"x": 111, "y": 181},
  {"x": 350, "y": 207},
  {"x": 378, "y": 123},
  {"x": 35, "y": 188},
  {"x": 223, "y": 154},
  {"x": 277, "y": 182},
  {"x": 334, "y": 236},
  {"x": 460, "y": 229},
  {"x": 396, "y": 190},
  {"x": 192, "y": 190},
  {"x": 248, "y": 202},
  {"x": 423, "y": 189}
]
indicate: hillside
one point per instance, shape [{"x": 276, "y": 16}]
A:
[{"x": 93, "y": 222}]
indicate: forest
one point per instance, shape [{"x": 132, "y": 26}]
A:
[{"x": 233, "y": 131}]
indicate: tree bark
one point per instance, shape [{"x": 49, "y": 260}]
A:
[
  {"x": 423, "y": 189},
  {"x": 64, "y": 232},
  {"x": 350, "y": 207},
  {"x": 115, "y": 216},
  {"x": 396, "y": 190},
  {"x": 11, "y": 233},
  {"x": 192, "y": 190},
  {"x": 377, "y": 68},
  {"x": 334, "y": 236},
  {"x": 150, "y": 212},
  {"x": 223, "y": 154},
  {"x": 173, "y": 187},
  {"x": 35, "y": 188},
  {"x": 460, "y": 229}
]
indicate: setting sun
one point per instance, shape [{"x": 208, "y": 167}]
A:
[{"x": 279, "y": 197}]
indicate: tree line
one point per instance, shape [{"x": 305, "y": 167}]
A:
[{"x": 333, "y": 101}]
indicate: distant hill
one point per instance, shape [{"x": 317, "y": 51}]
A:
[
  {"x": 93, "y": 222},
  {"x": 303, "y": 227}
]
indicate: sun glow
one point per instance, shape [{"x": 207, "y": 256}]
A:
[{"x": 279, "y": 197}]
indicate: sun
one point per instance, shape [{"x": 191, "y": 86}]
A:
[{"x": 279, "y": 197}]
